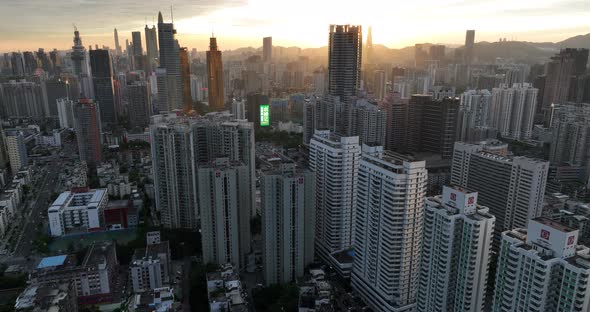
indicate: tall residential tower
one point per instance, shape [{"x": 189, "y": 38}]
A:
[{"x": 388, "y": 229}]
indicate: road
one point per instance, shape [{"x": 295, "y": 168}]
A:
[{"x": 48, "y": 186}]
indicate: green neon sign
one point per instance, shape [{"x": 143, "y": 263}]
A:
[{"x": 264, "y": 115}]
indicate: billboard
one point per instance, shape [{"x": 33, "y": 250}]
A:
[{"x": 264, "y": 115}]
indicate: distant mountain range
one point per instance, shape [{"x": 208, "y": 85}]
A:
[{"x": 518, "y": 51}]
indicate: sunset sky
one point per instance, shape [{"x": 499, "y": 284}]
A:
[{"x": 30, "y": 24}]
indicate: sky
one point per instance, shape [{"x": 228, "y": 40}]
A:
[{"x": 31, "y": 24}]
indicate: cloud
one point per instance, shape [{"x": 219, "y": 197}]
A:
[{"x": 97, "y": 15}]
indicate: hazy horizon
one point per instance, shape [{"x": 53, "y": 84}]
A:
[{"x": 238, "y": 23}]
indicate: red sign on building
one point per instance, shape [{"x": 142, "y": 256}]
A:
[
  {"x": 545, "y": 234},
  {"x": 570, "y": 240}
]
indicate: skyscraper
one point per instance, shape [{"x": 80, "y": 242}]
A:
[
  {"x": 185, "y": 76},
  {"x": 558, "y": 76},
  {"x": 102, "y": 78},
  {"x": 151, "y": 45},
  {"x": 424, "y": 125},
  {"x": 65, "y": 112},
  {"x": 336, "y": 189},
  {"x": 175, "y": 180},
  {"x": 22, "y": 99},
  {"x": 18, "y": 64},
  {"x": 288, "y": 222},
  {"x": 469, "y": 44},
  {"x": 368, "y": 122},
  {"x": 309, "y": 119},
  {"x": 238, "y": 108},
  {"x": 542, "y": 268},
  {"x": 179, "y": 145},
  {"x": 215, "y": 74},
  {"x": 456, "y": 252},
  {"x": 474, "y": 122},
  {"x": 170, "y": 96},
  {"x": 78, "y": 54},
  {"x": 369, "y": 46},
  {"x": 118, "y": 51},
  {"x": 87, "y": 124},
  {"x": 388, "y": 230},
  {"x": 137, "y": 51},
  {"x": 224, "y": 206},
  {"x": 397, "y": 111},
  {"x": 570, "y": 143},
  {"x": 512, "y": 187},
  {"x": 344, "y": 60},
  {"x": 139, "y": 104},
  {"x": 513, "y": 110},
  {"x": 266, "y": 49},
  {"x": 253, "y": 103},
  {"x": 17, "y": 151},
  {"x": 380, "y": 84},
  {"x": 436, "y": 52}
]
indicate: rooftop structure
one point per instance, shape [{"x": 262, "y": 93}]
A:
[{"x": 80, "y": 210}]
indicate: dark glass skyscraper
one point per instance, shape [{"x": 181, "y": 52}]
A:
[
  {"x": 151, "y": 46},
  {"x": 102, "y": 78},
  {"x": 137, "y": 51},
  {"x": 138, "y": 96},
  {"x": 171, "y": 98},
  {"x": 266, "y": 49},
  {"x": 344, "y": 63},
  {"x": 185, "y": 75},
  {"x": 469, "y": 43}
]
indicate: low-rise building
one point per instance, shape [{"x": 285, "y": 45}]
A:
[
  {"x": 77, "y": 211},
  {"x": 120, "y": 214},
  {"x": 75, "y": 175},
  {"x": 150, "y": 267},
  {"x": 156, "y": 300},
  {"x": 316, "y": 293},
  {"x": 224, "y": 290},
  {"x": 117, "y": 184},
  {"x": 48, "y": 297},
  {"x": 95, "y": 278}
]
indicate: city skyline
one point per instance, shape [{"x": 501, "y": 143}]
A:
[{"x": 239, "y": 24}]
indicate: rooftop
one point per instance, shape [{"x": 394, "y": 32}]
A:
[
  {"x": 556, "y": 225},
  {"x": 52, "y": 262}
]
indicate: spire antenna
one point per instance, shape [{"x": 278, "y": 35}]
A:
[{"x": 171, "y": 14}]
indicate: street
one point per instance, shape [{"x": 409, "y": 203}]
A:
[{"x": 48, "y": 186}]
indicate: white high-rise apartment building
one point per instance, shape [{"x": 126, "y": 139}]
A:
[
  {"x": 223, "y": 194},
  {"x": 512, "y": 187},
  {"x": 389, "y": 226},
  {"x": 475, "y": 115},
  {"x": 65, "y": 112},
  {"x": 369, "y": 123},
  {"x": 456, "y": 252},
  {"x": 180, "y": 145},
  {"x": 17, "y": 151},
  {"x": 513, "y": 110},
  {"x": 288, "y": 222},
  {"x": 238, "y": 109},
  {"x": 174, "y": 170},
  {"x": 542, "y": 268},
  {"x": 335, "y": 160}
]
